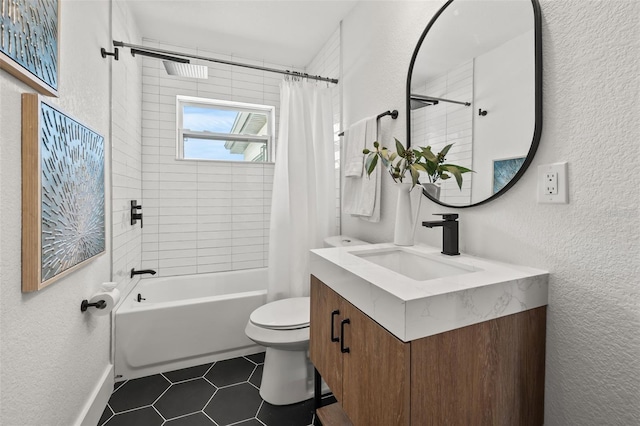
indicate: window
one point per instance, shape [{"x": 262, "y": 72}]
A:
[{"x": 210, "y": 129}]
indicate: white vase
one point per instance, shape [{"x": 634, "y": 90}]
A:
[
  {"x": 406, "y": 220},
  {"x": 433, "y": 189}
]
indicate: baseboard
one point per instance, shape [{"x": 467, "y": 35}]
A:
[{"x": 92, "y": 411}]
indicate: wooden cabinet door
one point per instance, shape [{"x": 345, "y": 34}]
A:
[
  {"x": 324, "y": 353},
  {"x": 491, "y": 373},
  {"x": 375, "y": 373}
]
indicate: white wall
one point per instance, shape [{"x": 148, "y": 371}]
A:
[
  {"x": 590, "y": 246},
  {"x": 126, "y": 129},
  {"x": 202, "y": 216},
  {"x": 52, "y": 354},
  {"x": 374, "y": 71}
]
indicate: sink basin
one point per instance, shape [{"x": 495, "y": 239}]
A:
[
  {"x": 419, "y": 267},
  {"x": 416, "y": 291}
]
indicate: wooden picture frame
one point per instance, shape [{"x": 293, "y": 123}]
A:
[
  {"x": 63, "y": 194},
  {"x": 30, "y": 42}
]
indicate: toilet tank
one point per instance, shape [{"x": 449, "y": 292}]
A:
[{"x": 342, "y": 241}]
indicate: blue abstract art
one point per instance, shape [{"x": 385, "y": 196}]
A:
[
  {"x": 29, "y": 42},
  {"x": 63, "y": 193},
  {"x": 72, "y": 164},
  {"x": 504, "y": 171}
]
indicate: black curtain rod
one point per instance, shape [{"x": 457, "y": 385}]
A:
[
  {"x": 141, "y": 49},
  {"x": 393, "y": 114}
]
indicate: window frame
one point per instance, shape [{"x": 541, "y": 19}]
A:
[{"x": 268, "y": 139}]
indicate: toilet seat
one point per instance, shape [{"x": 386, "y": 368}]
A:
[
  {"x": 285, "y": 314},
  {"x": 290, "y": 340}
]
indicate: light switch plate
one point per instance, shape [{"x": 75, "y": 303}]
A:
[{"x": 553, "y": 185}]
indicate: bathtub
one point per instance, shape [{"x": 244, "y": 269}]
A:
[{"x": 186, "y": 321}]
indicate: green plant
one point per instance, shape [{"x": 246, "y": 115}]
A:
[{"x": 414, "y": 161}]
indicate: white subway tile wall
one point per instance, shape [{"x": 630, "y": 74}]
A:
[
  {"x": 327, "y": 63},
  {"x": 126, "y": 140},
  {"x": 202, "y": 216},
  {"x": 445, "y": 123}
]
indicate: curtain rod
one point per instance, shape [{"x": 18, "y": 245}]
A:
[{"x": 221, "y": 61}]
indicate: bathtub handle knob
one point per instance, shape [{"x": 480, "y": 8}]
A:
[
  {"x": 333, "y": 336},
  {"x": 140, "y": 298},
  {"x": 134, "y": 213}
]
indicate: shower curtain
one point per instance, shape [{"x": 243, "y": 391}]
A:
[{"x": 303, "y": 204}]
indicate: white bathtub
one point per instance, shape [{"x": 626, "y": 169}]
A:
[{"x": 186, "y": 321}]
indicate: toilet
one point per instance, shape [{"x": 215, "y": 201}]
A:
[{"x": 283, "y": 328}]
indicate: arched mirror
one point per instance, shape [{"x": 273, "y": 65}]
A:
[{"x": 475, "y": 83}]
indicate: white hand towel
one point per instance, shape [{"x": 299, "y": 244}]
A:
[
  {"x": 354, "y": 142},
  {"x": 361, "y": 196}
]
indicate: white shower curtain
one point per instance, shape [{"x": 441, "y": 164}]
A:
[{"x": 303, "y": 209}]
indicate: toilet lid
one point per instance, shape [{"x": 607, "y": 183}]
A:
[{"x": 283, "y": 314}]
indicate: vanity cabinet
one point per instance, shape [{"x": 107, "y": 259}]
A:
[
  {"x": 491, "y": 373},
  {"x": 365, "y": 366}
]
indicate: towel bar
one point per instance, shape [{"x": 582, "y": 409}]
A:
[{"x": 393, "y": 114}]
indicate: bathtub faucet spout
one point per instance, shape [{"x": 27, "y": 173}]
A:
[{"x": 142, "y": 271}]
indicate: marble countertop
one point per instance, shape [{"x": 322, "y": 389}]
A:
[{"x": 411, "y": 309}]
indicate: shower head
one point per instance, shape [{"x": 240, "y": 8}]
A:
[
  {"x": 186, "y": 70},
  {"x": 174, "y": 65}
]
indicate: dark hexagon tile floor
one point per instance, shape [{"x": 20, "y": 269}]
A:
[
  {"x": 230, "y": 371},
  {"x": 223, "y": 393},
  {"x": 233, "y": 404},
  {"x": 288, "y": 415},
  {"x": 184, "y": 398},
  {"x": 138, "y": 393}
]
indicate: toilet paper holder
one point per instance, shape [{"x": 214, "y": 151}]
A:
[{"x": 100, "y": 304}]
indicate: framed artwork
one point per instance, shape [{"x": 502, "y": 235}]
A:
[
  {"x": 63, "y": 204},
  {"x": 29, "y": 42},
  {"x": 504, "y": 171}
]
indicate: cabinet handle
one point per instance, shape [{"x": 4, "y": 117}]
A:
[
  {"x": 342, "y": 348},
  {"x": 333, "y": 336}
]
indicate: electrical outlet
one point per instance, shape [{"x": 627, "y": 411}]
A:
[{"x": 552, "y": 183}]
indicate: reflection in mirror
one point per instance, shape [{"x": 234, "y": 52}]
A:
[{"x": 474, "y": 83}]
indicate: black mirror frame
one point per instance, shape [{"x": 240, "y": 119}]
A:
[{"x": 537, "y": 131}]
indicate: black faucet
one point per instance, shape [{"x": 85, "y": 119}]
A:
[
  {"x": 142, "y": 271},
  {"x": 449, "y": 232}
]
